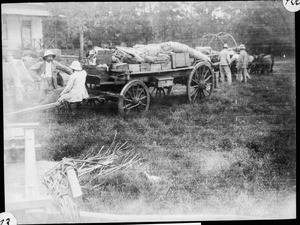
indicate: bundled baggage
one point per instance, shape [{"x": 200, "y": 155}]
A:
[
  {"x": 100, "y": 56},
  {"x": 182, "y": 48},
  {"x": 160, "y": 56},
  {"x": 207, "y": 50},
  {"x": 151, "y": 49}
]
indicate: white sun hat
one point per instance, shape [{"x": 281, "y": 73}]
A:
[
  {"x": 48, "y": 52},
  {"x": 242, "y": 46},
  {"x": 75, "y": 65}
]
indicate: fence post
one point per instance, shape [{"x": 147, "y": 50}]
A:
[{"x": 31, "y": 187}]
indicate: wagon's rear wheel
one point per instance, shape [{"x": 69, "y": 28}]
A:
[
  {"x": 200, "y": 82},
  {"x": 134, "y": 97}
]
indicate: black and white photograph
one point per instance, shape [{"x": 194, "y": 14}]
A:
[{"x": 149, "y": 111}]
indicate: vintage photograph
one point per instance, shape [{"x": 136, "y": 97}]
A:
[{"x": 149, "y": 111}]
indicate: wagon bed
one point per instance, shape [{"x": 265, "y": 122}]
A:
[{"x": 133, "y": 90}]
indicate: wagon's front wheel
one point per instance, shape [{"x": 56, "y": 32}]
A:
[
  {"x": 134, "y": 97},
  {"x": 200, "y": 82}
]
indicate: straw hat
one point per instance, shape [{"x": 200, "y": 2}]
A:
[
  {"x": 225, "y": 45},
  {"x": 47, "y": 53},
  {"x": 75, "y": 65},
  {"x": 242, "y": 46}
]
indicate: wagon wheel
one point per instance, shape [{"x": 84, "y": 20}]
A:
[
  {"x": 158, "y": 92},
  {"x": 200, "y": 82},
  {"x": 135, "y": 97}
]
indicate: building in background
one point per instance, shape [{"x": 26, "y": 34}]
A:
[{"x": 22, "y": 25}]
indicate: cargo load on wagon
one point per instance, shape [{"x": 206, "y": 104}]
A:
[{"x": 151, "y": 57}]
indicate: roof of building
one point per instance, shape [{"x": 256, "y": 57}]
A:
[{"x": 28, "y": 9}]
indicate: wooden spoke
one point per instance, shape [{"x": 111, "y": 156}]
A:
[
  {"x": 206, "y": 72},
  {"x": 208, "y": 78},
  {"x": 127, "y": 106},
  {"x": 194, "y": 91},
  {"x": 203, "y": 75},
  {"x": 131, "y": 107},
  {"x": 142, "y": 98},
  {"x": 197, "y": 75},
  {"x": 128, "y": 100},
  {"x": 196, "y": 94},
  {"x": 137, "y": 91},
  {"x": 196, "y": 81},
  {"x": 129, "y": 93},
  {"x": 141, "y": 91}
]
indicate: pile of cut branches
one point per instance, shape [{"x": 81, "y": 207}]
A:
[
  {"x": 105, "y": 162},
  {"x": 89, "y": 169}
]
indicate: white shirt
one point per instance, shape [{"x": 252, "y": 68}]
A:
[
  {"x": 48, "y": 72},
  {"x": 234, "y": 57},
  {"x": 75, "y": 90},
  {"x": 224, "y": 57}
]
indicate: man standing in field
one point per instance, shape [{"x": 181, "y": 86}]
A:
[
  {"x": 47, "y": 70},
  {"x": 242, "y": 63},
  {"x": 224, "y": 58}
]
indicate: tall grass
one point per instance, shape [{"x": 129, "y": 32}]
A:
[{"x": 232, "y": 153}]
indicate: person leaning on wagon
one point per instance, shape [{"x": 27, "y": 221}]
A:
[
  {"x": 224, "y": 58},
  {"x": 242, "y": 63},
  {"x": 48, "y": 70},
  {"x": 75, "y": 90}
]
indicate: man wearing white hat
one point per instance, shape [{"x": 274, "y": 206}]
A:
[
  {"x": 242, "y": 63},
  {"x": 75, "y": 90},
  {"x": 48, "y": 70},
  {"x": 224, "y": 58}
]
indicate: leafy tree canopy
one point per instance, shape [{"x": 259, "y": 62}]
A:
[{"x": 254, "y": 23}]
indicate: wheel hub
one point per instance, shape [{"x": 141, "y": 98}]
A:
[
  {"x": 135, "y": 100},
  {"x": 202, "y": 86}
]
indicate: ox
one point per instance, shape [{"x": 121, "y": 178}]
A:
[{"x": 262, "y": 64}]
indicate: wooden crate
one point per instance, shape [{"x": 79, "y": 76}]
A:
[
  {"x": 94, "y": 70},
  {"x": 180, "y": 60},
  {"x": 135, "y": 67},
  {"x": 120, "y": 66},
  {"x": 161, "y": 82},
  {"x": 155, "y": 67},
  {"x": 104, "y": 57},
  {"x": 145, "y": 67},
  {"x": 166, "y": 66}
]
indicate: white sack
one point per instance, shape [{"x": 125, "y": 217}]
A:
[
  {"x": 182, "y": 48},
  {"x": 151, "y": 49},
  {"x": 204, "y": 49}
]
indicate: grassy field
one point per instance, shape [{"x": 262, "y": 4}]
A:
[{"x": 234, "y": 153}]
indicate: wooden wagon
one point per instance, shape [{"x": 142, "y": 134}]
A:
[{"x": 133, "y": 90}]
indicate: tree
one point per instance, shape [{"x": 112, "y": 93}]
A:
[
  {"x": 252, "y": 23},
  {"x": 265, "y": 27},
  {"x": 78, "y": 14}
]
